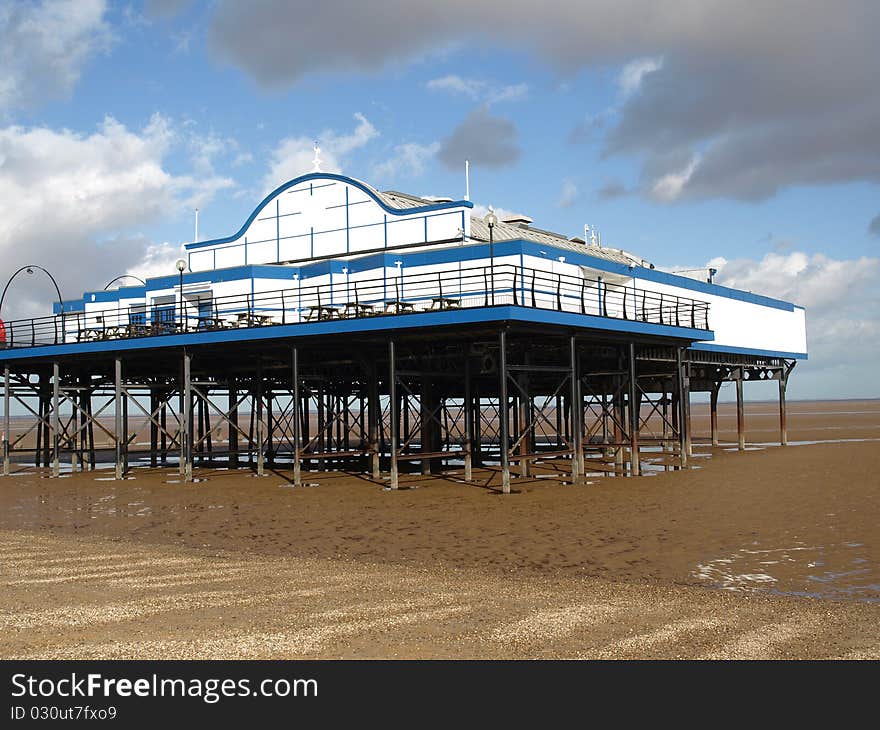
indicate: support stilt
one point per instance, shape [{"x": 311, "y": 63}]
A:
[
  {"x": 576, "y": 411},
  {"x": 713, "y": 412},
  {"x": 740, "y": 411},
  {"x": 634, "y": 414},
  {"x": 232, "y": 448},
  {"x": 6, "y": 421},
  {"x": 783, "y": 420},
  {"x": 187, "y": 420},
  {"x": 395, "y": 415},
  {"x": 682, "y": 399},
  {"x": 295, "y": 406},
  {"x": 373, "y": 410},
  {"x": 503, "y": 415},
  {"x": 56, "y": 426},
  {"x": 258, "y": 397},
  {"x": 468, "y": 421}
]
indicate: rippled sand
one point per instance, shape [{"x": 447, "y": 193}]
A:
[{"x": 768, "y": 553}]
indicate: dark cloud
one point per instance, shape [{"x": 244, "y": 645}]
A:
[
  {"x": 723, "y": 131},
  {"x": 874, "y": 226},
  {"x": 612, "y": 189},
  {"x": 756, "y": 96},
  {"x": 483, "y": 139},
  {"x": 165, "y": 8}
]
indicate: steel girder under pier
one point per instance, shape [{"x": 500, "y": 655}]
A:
[{"x": 509, "y": 398}]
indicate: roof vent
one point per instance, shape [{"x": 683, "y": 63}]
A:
[
  {"x": 437, "y": 198},
  {"x": 576, "y": 239},
  {"x": 514, "y": 219}
]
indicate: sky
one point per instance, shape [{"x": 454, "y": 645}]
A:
[{"x": 693, "y": 133}]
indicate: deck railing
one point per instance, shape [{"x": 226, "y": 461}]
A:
[{"x": 351, "y": 297}]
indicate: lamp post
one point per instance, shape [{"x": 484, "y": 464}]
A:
[
  {"x": 30, "y": 269},
  {"x": 399, "y": 282},
  {"x": 125, "y": 276},
  {"x": 181, "y": 267},
  {"x": 491, "y": 220}
]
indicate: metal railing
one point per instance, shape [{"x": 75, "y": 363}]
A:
[{"x": 465, "y": 288}]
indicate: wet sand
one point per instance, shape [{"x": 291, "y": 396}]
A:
[{"x": 766, "y": 553}]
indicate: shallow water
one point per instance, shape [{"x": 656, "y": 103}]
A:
[{"x": 838, "y": 571}]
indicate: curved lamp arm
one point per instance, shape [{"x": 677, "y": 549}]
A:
[
  {"x": 25, "y": 268},
  {"x": 125, "y": 276}
]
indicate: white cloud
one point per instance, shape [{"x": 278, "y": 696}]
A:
[
  {"x": 670, "y": 186},
  {"x": 158, "y": 259},
  {"x": 478, "y": 89},
  {"x": 516, "y": 92},
  {"x": 454, "y": 84},
  {"x": 568, "y": 195},
  {"x": 632, "y": 73},
  {"x": 294, "y": 155},
  {"x": 74, "y": 203},
  {"x": 479, "y": 211},
  {"x": 406, "y": 160},
  {"x": 842, "y": 301},
  {"x": 44, "y": 47}
]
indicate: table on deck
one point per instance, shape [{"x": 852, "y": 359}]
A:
[
  {"x": 397, "y": 306},
  {"x": 359, "y": 310},
  {"x": 445, "y": 303},
  {"x": 246, "y": 319},
  {"x": 210, "y": 323},
  {"x": 321, "y": 312}
]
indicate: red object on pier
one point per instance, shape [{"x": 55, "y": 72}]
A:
[{"x": 2, "y": 334}]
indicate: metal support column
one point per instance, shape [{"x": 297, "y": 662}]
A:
[
  {"x": 503, "y": 415},
  {"x": 634, "y": 413},
  {"x": 56, "y": 425},
  {"x": 258, "y": 396},
  {"x": 468, "y": 420},
  {"x": 740, "y": 412},
  {"x": 523, "y": 425},
  {"x": 187, "y": 421},
  {"x": 117, "y": 406},
  {"x": 395, "y": 416},
  {"x": 576, "y": 411},
  {"x": 232, "y": 448},
  {"x": 689, "y": 442},
  {"x": 713, "y": 412},
  {"x": 154, "y": 429},
  {"x": 6, "y": 421},
  {"x": 783, "y": 420},
  {"x": 374, "y": 409},
  {"x": 295, "y": 405},
  {"x": 682, "y": 398}
]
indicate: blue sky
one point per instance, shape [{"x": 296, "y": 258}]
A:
[{"x": 687, "y": 133}]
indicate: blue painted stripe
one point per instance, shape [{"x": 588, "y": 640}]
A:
[
  {"x": 328, "y": 176},
  {"x": 368, "y": 324},
  {"x": 727, "y": 350}
]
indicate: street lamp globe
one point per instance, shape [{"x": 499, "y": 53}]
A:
[
  {"x": 181, "y": 265},
  {"x": 491, "y": 219}
]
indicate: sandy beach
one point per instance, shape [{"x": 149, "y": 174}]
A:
[{"x": 767, "y": 553}]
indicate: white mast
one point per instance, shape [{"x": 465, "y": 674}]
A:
[{"x": 467, "y": 179}]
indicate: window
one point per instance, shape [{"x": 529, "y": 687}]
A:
[{"x": 137, "y": 314}]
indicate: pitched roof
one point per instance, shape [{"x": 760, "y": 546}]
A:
[{"x": 516, "y": 231}]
